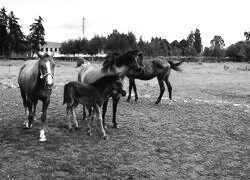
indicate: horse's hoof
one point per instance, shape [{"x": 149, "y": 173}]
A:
[
  {"x": 105, "y": 137},
  {"x": 76, "y": 128},
  {"x": 70, "y": 130},
  {"x": 157, "y": 102},
  {"x": 89, "y": 133},
  {"x": 25, "y": 127},
  {"x": 42, "y": 139},
  {"x": 115, "y": 126}
]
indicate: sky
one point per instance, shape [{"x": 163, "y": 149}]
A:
[{"x": 169, "y": 19}]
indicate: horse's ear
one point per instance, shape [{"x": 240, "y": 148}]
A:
[{"x": 39, "y": 55}]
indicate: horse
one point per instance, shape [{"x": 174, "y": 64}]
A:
[
  {"x": 36, "y": 79},
  {"x": 90, "y": 95},
  {"x": 153, "y": 68},
  {"x": 118, "y": 64}
]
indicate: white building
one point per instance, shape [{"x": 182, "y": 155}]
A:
[{"x": 51, "y": 47}]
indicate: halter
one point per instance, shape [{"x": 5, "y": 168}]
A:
[
  {"x": 44, "y": 75},
  {"x": 140, "y": 67}
]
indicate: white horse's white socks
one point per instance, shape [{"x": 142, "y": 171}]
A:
[{"x": 42, "y": 136}]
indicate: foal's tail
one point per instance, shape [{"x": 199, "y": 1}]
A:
[
  {"x": 67, "y": 93},
  {"x": 175, "y": 66}
]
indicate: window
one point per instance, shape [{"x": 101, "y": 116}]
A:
[
  {"x": 46, "y": 49},
  {"x": 50, "y": 49},
  {"x": 55, "y": 49},
  {"x": 41, "y": 49}
]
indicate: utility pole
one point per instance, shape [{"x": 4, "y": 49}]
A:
[{"x": 83, "y": 26}]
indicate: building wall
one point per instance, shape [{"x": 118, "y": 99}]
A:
[{"x": 51, "y": 47}]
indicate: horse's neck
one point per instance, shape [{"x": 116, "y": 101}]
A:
[
  {"x": 121, "y": 70},
  {"x": 104, "y": 90},
  {"x": 107, "y": 91}
]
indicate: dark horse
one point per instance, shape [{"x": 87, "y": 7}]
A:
[
  {"x": 120, "y": 64},
  {"x": 90, "y": 95},
  {"x": 36, "y": 79},
  {"x": 153, "y": 68}
]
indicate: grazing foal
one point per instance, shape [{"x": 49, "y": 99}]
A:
[{"x": 90, "y": 95}]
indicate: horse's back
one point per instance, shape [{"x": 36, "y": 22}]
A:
[
  {"x": 83, "y": 93},
  {"x": 90, "y": 73}
]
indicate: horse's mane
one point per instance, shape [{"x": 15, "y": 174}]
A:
[
  {"x": 104, "y": 81},
  {"x": 119, "y": 59}
]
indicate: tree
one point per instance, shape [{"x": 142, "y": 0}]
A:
[
  {"x": 206, "y": 52},
  {"x": 247, "y": 34},
  {"x": 3, "y": 31},
  {"x": 16, "y": 38},
  {"x": 141, "y": 44},
  {"x": 131, "y": 41},
  {"x": 197, "y": 41},
  {"x": 113, "y": 41},
  {"x": 239, "y": 51},
  {"x": 190, "y": 39},
  {"x": 184, "y": 47},
  {"x": 36, "y": 36},
  {"x": 217, "y": 42},
  {"x": 95, "y": 45}
]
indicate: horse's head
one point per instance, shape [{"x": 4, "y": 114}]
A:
[
  {"x": 46, "y": 69},
  {"x": 136, "y": 61},
  {"x": 118, "y": 85}
]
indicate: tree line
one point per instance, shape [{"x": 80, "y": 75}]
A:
[{"x": 13, "y": 41}]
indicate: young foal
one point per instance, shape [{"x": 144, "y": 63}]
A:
[
  {"x": 35, "y": 80},
  {"x": 90, "y": 95}
]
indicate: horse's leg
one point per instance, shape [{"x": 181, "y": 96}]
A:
[
  {"x": 43, "y": 119},
  {"x": 104, "y": 110},
  {"x": 162, "y": 89},
  {"x": 129, "y": 89},
  {"x": 28, "y": 124},
  {"x": 115, "y": 99},
  {"x": 89, "y": 110},
  {"x": 98, "y": 111},
  {"x": 74, "y": 116},
  {"x": 69, "y": 112},
  {"x": 169, "y": 89},
  {"x": 34, "y": 109},
  {"x": 84, "y": 113},
  {"x": 91, "y": 121},
  {"x": 135, "y": 90},
  {"x": 23, "y": 94}
]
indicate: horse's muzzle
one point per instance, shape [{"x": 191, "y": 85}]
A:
[
  {"x": 50, "y": 86},
  {"x": 123, "y": 93}
]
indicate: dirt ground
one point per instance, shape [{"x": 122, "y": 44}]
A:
[{"x": 205, "y": 134}]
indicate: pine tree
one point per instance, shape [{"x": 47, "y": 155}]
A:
[
  {"x": 3, "y": 31},
  {"x": 15, "y": 37},
  {"x": 36, "y": 36},
  {"x": 197, "y": 41}
]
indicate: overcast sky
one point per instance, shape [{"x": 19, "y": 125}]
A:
[{"x": 169, "y": 19}]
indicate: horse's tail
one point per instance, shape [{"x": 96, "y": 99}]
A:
[
  {"x": 175, "y": 66},
  {"x": 67, "y": 93}
]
